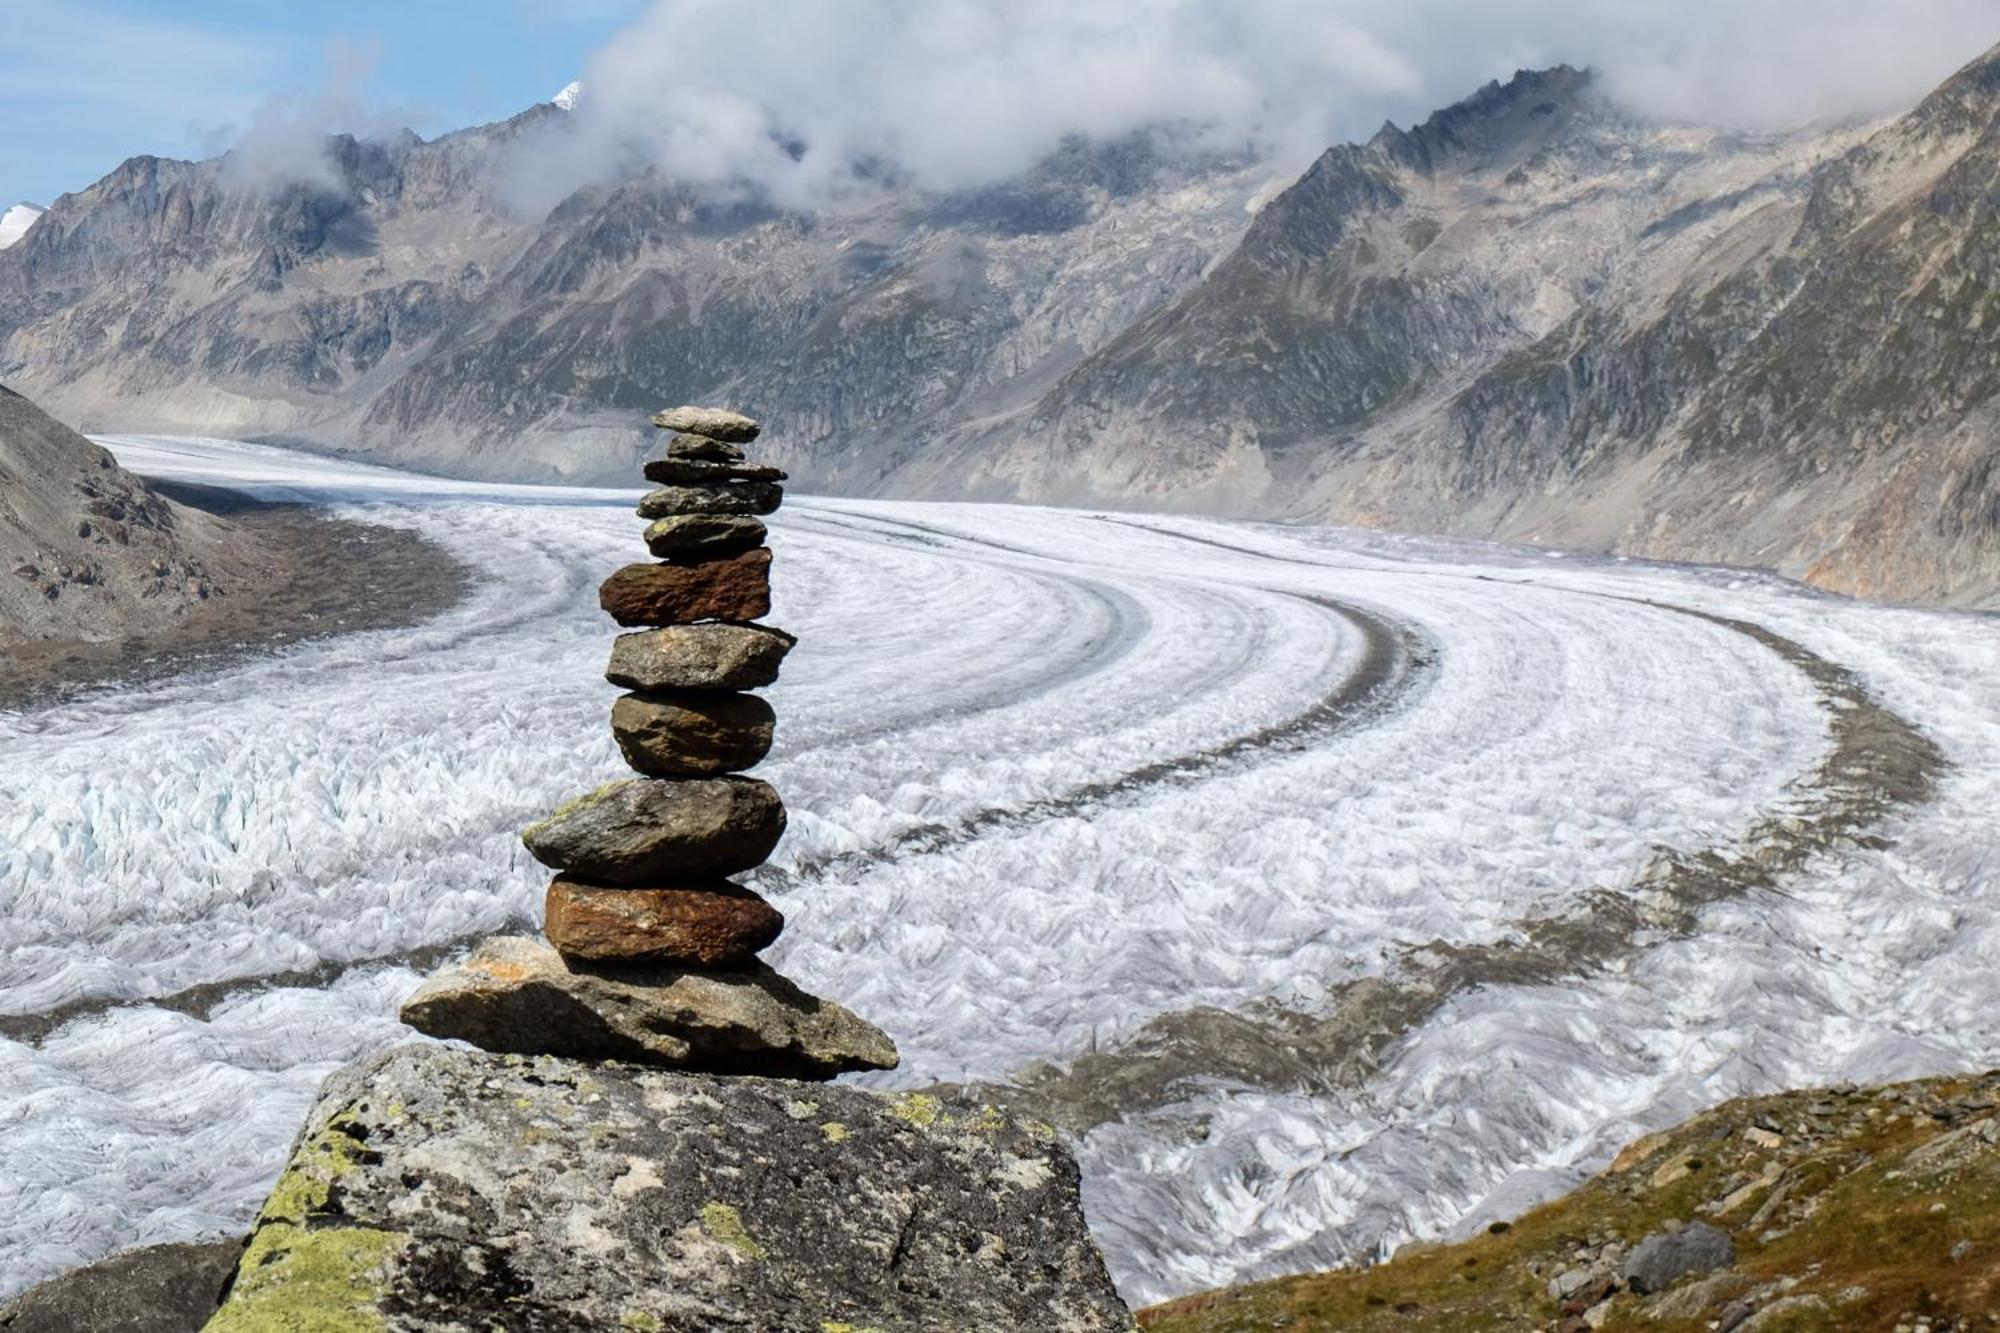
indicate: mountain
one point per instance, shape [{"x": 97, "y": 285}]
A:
[
  {"x": 1534, "y": 317},
  {"x": 415, "y": 311},
  {"x": 14, "y": 223},
  {"x": 87, "y": 550},
  {"x": 1538, "y": 319}
]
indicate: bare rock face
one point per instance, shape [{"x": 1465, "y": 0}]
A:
[
  {"x": 685, "y": 535},
  {"x": 698, "y": 657},
  {"x": 710, "y": 422},
  {"x": 519, "y": 996},
  {"x": 710, "y": 925},
  {"x": 742, "y": 497},
  {"x": 639, "y": 831},
  {"x": 736, "y": 588},
  {"x": 671, "y": 471},
  {"x": 437, "y": 1189},
  {"x": 697, "y": 733}
]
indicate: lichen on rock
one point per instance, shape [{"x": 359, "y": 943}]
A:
[{"x": 436, "y": 1188}]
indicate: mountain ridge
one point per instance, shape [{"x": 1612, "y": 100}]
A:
[{"x": 1534, "y": 317}]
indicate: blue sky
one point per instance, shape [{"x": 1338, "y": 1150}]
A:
[{"x": 85, "y": 84}]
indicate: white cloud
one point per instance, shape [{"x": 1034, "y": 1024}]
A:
[{"x": 792, "y": 96}]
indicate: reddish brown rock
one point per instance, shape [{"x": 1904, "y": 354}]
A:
[
  {"x": 738, "y": 588},
  {"x": 697, "y": 734},
  {"x": 714, "y": 925}
]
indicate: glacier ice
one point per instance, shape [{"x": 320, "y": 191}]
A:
[{"x": 1000, "y": 852}]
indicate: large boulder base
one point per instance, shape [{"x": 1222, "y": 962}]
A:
[
  {"x": 695, "y": 733},
  {"x": 436, "y": 1189},
  {"x": 517, "y": 995},
  {"x": 698, "y": 657},
  {"x": 709, "y": 925},
  {"x": 160, "y": 1289},
  {"x": 742, "y": 497},
  {"x": 735, "y": 588},
  {"x": 639, "y": 831},
  {"x": 713, "y": 422}
]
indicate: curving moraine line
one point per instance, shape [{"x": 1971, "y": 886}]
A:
[
  {"x": 1396, "y": 660},
  {"x": 1879, "y": 764}
]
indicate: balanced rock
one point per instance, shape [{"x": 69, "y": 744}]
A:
[
  {"x": 734, "y": 587},
  {"x": 715, "y": 925},
  {"x": 519, "y": 996},
  {"x": 685, "y": 472},
  {"x": 713, "y": 422},
  {"x": 703, "y": 449},
  {"x": 698, "y": 733},
  {"x": 641, "y": 831},
  {"x": 684, "y": 535},
  {"x": 736, "y": 497},
  {"x": 698, "y": 657},
  {"x": 441, "y": 1189}
]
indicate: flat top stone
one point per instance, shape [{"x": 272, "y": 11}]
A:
[
  {"x": 714, "y": 422},
  {"x": 522, "y": 996},
  {"x": 437, "y": 1188}
]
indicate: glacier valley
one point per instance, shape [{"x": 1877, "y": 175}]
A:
[{"x": 1333, "y": 888}]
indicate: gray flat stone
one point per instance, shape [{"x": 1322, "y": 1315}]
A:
[
  {"x": 704, "y": 535},
  {"x": 737, "y": 497},
  {"x": 650, "y": 830},
  {"x": 713, "y": 422},
  {"x": 520, "y": 996},
  {"x": 698, "y": 657}
]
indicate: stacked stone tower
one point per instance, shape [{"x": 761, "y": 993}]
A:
[{"x": 654, "y": 956}]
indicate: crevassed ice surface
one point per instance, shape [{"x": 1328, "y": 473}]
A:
[{"x": 1062, "y": 700}]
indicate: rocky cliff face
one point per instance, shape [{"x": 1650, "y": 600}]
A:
[
  {"x": 1533, "y": 317},
  {"x": 1536, "y": 319},
  {"x": 87, "y": 550}
]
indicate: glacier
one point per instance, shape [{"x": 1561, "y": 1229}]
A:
[{"x": 1055, "y": 776}]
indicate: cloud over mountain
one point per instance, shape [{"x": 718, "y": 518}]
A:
[{"x": 803, "y": 100}]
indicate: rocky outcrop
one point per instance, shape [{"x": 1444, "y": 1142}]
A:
[
  {"x": 159, "y": 1289},
  {"x": 87, "y": 550},
  {"x": 437, "y": 1189},
  {"x": 1834, "y": 1208}
]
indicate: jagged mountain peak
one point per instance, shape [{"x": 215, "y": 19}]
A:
[
  {"x": 1490, "y": 122},
  {"x": 1968, "y": 101}
]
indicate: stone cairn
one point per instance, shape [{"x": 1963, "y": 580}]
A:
[{"x": 655, "y": 950}]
